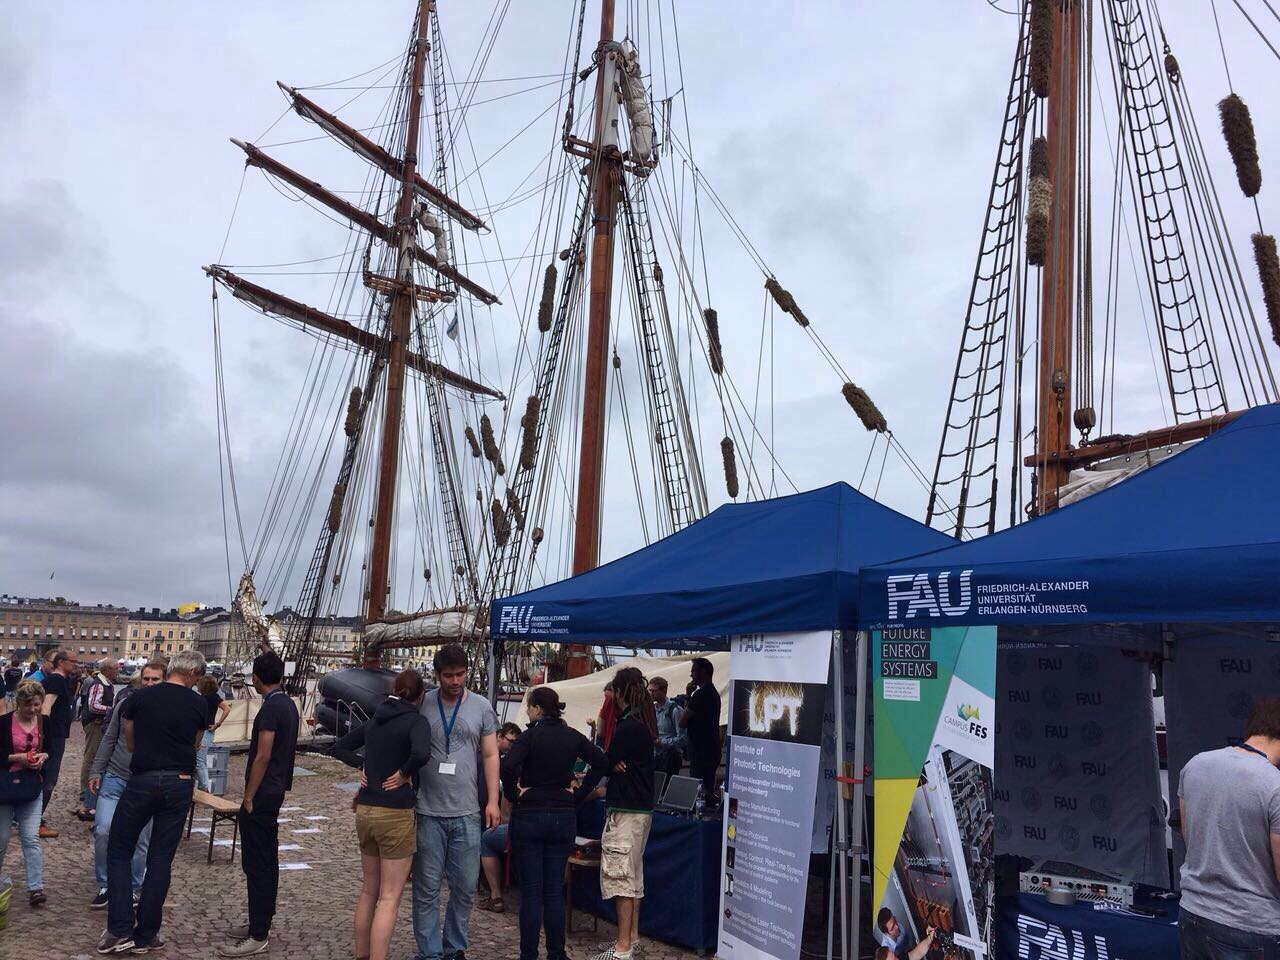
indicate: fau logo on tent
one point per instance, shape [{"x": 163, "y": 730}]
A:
[
  {"x": 928, "y": 595},
  {"x": 515, "y": 618}
]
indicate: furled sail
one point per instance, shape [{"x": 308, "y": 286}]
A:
[{"x": 636, "y": 102}]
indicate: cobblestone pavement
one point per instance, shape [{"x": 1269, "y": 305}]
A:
[{"x": 313, "y": 918}]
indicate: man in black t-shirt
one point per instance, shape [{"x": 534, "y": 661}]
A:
[
  {"x": 268, "y": 777},
  {"x": 701, "y": 718},
  {"x": 162, "y": 726},
  {"x": 58, "y": 707}
]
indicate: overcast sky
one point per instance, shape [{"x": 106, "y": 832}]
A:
[{"x": 853, "y": 141}]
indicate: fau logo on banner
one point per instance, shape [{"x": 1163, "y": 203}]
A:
[
  {"x": 928, "y": 595},
  {"x": 515, "y": 619}
]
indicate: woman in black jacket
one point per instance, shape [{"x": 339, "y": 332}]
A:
[
  {"x": 537, "y": 777},
  {"x": 397, "y": 743}
]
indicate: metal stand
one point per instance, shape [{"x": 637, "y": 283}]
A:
[
  {"x": 857, "y": 845},
  {"x": 841, "y": 846},
  {"x": 848, "y": 847}
]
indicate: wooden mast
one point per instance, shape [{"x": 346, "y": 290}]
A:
[
  {"x": 1053, "y": 415},
  {"x": 401, "y": 326},
  {"x": 605, "y": 173}
]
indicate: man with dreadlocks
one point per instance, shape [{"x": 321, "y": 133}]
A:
[{"x": 629, "y": 800}]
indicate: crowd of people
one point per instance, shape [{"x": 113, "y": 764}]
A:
[
  {"x": 137, "y": 782},
  {"x": 446, "y": 793}
]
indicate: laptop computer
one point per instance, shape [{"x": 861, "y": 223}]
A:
[
  {"x": 680, "y": 795},
  {"x": 659, "y": 782}
]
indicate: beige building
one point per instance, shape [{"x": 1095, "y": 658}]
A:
[
  {"x": 35, "y": 624},
  {"x": 213, "y": 631},
  {"x": 155, "y": 633}
]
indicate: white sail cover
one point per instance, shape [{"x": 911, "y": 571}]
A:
[
  {"x": 636, "y": 102},
  {"x": 433, "y": 225},
  {"x": 440, "y": 626},
  {"x": 1089, "y": 480},
  {"x": 249, "y": 608}
]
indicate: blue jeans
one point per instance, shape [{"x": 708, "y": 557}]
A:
[
  {"x": 1201, "y": 939},
  {"x": 109, "y": 793},
  {"x": 541, "y": 841},
  {"x": 202, "y": 760},
  {"x": 162, "y": 798},
  {"x": 448, "y": 849},
  {"x": 28, "y": 817}
]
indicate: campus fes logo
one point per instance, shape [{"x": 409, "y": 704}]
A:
[
  {"x": 967, "y": 712},
  {"x": 928, "y": 595},
  {"x": 515, "y": 618},
  {"x": 771, "y": 702}
]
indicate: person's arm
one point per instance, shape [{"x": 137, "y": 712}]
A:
[
  {"x": 686, "y": 715},
  {"x": 127, "y": 724},
  {"x": 262, "y": 756},
  {"x": 489, "y": 755},
  {"x": 46, "y": 705},
  {"x": 102, "y": 758},
  {"x": 419, "y": 754},
  {"x": 345, "y": 747},
  {"x": 224, "y": 709},
  {"x": 922, "y": 948},
  {"x": 678, "y": 738},
  {"x": 511, "y": 766},
  {"x": 1182, "y": 815},
  {"x": 1275, "y": 855},
  {"x": 97, "y": 707},
  {"x": 597, "y": 769}
]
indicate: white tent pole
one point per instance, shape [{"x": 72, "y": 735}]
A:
[
  {"x": 857, "y": 844},
  {"x": 841, "y": 846}
]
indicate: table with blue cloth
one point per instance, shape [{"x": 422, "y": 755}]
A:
[
  {"x": 1029, "y": 927},
  {"x": 681, "y": 878}
]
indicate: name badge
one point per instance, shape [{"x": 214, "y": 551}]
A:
[{"x": 448, "y": 769}]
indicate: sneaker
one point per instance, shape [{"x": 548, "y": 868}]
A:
[
  {"x": 239, "y": 932},
  {"x": 246, "y": 947},
  {"x": 100, "y": 901},
  {"x": 37, "y": 898},
  {"x": 110, "y": 943},
  {"x": 612, "y": 954},
  {"x": 47, "y": 833},
  {"x": 156, "y": 943}
]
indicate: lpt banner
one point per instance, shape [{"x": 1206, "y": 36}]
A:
[
  {"x": 934, "y": 722},
  {"x": 778, "y": 685}
]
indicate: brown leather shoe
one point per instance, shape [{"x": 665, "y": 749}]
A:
[{"x": 47, "y": 833}]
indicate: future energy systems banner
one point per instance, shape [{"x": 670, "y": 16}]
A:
[
  {"x": 777, "y": 691},
  {"x": 934, "y": 724}
]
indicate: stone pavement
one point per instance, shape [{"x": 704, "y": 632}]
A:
[{"x": 317, "y": 893}]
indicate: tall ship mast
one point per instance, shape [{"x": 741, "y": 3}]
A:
[
  {"x": 1106, "y": 237},
  {"x": 476, "y": 412}
]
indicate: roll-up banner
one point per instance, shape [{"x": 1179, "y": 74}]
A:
[
  {"x": 934, "y": 865},
  {"x": 777, "y": 690}
]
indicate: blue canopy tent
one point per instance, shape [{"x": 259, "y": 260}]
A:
[
  {"x": 1182, "y": 562},
  {"x": 763, "y": 567},
  {"x": 771, "y": 566},
  {"x": 1194, "y": 539}
]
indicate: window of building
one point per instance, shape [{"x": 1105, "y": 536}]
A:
[
  {"x": 135, "y": 633},
  {"x": 133, "y": 647},
  {"x": 170, "y": 634},
  {"x": 95, "y": 633},
  {"x": 147, "y": 632},
  {"x": 60, "y": 633},
  {"x": 132, "y": 633},
  {"x": 170, "y": 646}
]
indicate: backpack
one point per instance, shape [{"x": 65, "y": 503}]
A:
[{"x": 82, "y": 713}]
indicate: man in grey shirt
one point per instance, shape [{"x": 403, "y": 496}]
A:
[
  {"x": 1230, "y": 802},
  {"x": 463, "y": 735},
  {"x": 108, "y": 774}
]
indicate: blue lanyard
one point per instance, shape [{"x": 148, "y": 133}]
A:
[{"x": 448, "y": 724}]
